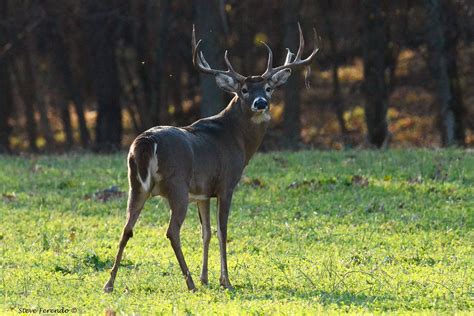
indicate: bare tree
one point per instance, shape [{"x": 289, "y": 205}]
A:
[
  {"x": 102, "y": 23},
  {"x": 61, "y": 60},
  {"x": 375, "y": 87},
  {"x": 44, "y": 120},
  {"x": 442, "y": 35},
  {"x": 145, "y": 58},
  {"x": 327, "y": 7},
  {"x": 26, "y": 87},
  {"x": 6, "y": 98},
  {"x": 209, "y": 28},
  {"x": 6, "y": 106},
  {"x": 291, "y": 114}
]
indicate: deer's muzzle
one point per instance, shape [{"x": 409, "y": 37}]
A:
[{"x": 259, "y": 104}]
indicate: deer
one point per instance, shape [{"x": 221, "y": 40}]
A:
[{"x": 205, "y": 159}]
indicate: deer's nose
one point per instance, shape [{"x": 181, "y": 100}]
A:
[{"x": 260, "y": 104}]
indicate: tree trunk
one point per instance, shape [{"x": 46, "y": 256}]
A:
[
  {"x": 291, "y": 113},
  {"x": 442, "y": 36},
  {"x": 102, "y": 27},
  {"x": 144, "y": 72},
  {"x": 6, "y": 98},
  {"x": 338, "y": 102},
  {"x": 65, "y": 114},
  {"x": 130, "y": 91},
  {"x": 27, "y": 90},
  {"x": 160, "y": 109},
  {"x": 63, "y": 60},
  {"x": 209, "y": 29},
  {"x": 6, "y": 105},
  {"x": 44, "y": 121},
  {"x": 392, "y": 48},
  {"x": 375, "y": 87},
  {"x": 177, "y": 92}
]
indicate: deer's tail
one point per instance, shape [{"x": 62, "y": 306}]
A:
[{"x": 143, "y": 162}]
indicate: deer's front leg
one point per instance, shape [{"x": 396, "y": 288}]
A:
[
  {"x": 224, "y": 202},
  {"x": 205, "y": 218}
]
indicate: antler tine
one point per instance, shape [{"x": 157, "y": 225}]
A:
[
  {"x": 289, "y": 56},
  {"x": 203, "y": 60},
  {"x": 202, "y": 65},
  {"x": 193, "y": 39},
  {"x": 195, "y": 49},
  {"x": 270, "y": 59},
  {"x": 231, "y": 69},
  {"x": 291, "y": 62},
  {"x": 308, "y": 59},
  {"x": 199, "y": 62},
  {"x": 301, "y": 46}
]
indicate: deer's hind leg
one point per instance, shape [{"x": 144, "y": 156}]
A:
[
  {"x": 136, "y": 200},
  {"x": 178, "y": 201}
]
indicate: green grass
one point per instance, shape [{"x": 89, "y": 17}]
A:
[{"x": 356, "y": 231}]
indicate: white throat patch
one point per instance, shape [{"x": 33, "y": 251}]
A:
[{"x": 261, "y": 117}]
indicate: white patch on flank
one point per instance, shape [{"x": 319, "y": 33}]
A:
[
  {"x": 260, "y": 117},
  {"x": 197, "y": 197},
  {"x": 152, "y": 170}
]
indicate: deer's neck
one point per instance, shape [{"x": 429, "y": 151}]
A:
[{"x": 248, "y": 128}]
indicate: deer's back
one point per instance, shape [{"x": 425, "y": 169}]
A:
[{"x": 201, "y": 156}]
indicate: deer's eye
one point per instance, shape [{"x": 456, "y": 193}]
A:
[
  {"x": 244, "y": 91},
  {"x": 268, "y": 89}
]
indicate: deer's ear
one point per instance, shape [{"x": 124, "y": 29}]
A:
[
  {"x": 279, "y": 78},
  {"x": 227, "y": 83}
]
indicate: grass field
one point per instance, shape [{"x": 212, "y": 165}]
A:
[{"x": 354, "y": 231}]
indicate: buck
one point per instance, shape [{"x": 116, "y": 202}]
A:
[{"x": 205, "y": 159}]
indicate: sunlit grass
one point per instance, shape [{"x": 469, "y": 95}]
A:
[{"x": 313, "y": 232}]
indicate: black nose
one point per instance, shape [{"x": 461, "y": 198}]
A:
[{"x": 261, "y": 104}]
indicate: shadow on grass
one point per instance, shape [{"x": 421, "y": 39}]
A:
[
  {"x": 91, "y": 260},
  {"x": 340, "y": 298}
]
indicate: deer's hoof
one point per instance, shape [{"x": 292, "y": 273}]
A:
[
  {"x": 225, "y": 283},
  {"x": 191, "y": 286},
  {"x": 204, "y": 280},
  {"x": 190, "y": 283},
  {"x": 229, "y": 287},
  {"x": 108, "y": 288}
]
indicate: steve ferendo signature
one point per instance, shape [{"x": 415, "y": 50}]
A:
[{"x": 41, "y": 310}]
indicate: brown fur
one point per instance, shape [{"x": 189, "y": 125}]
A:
[
  {"x": 200, "y": 161},
  {"x": 204, "y": 159}
]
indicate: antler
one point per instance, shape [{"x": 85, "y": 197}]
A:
[
  {"x": 291, "y": 62},
  {"x": 202, "y": 65}
]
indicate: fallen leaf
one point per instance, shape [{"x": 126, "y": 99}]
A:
[
  {"x": 360, "y": 181},
  {"x": 299, "y": 184},
  {"x": 254, "y": 182},
  {"x": 105, "y": 195},
  {"x": 110, "y": 312},
  {"x": 9, "y": 197},
  {"x": 415, "y": 180}
]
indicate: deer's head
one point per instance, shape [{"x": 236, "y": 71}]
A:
[{"x": 254, "y": 91}]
